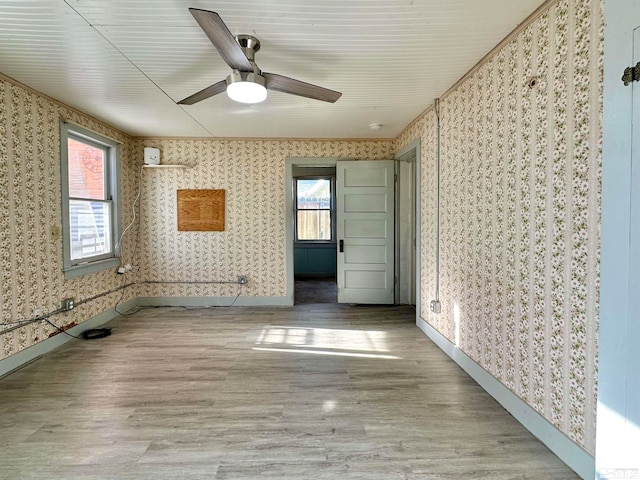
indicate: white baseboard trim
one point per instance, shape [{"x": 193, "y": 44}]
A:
[
  {"x": 32, "y": 353},
  {"x": 214, "y": 301},
  {"x": 566, "y": 449}
]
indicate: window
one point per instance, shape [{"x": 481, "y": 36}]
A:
[
  {"x": 89, "y": 201},
  {"x": 314, "y": 209}
]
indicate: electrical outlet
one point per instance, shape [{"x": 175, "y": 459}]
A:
[
  {"x": 68, "y": 304},
  {"x": 242, "y": 280},
  {"x": 436, "y": 306}
]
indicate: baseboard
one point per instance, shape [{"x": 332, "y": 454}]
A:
[
  {"x": 28, "y": 355},
  {"x": 214, "y": 301},
  {"x": 566, "y": 449}
]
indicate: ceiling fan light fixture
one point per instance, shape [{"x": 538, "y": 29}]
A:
[
  {"x": 247, "y": 83},
  {"x": 246, "y": 87}
]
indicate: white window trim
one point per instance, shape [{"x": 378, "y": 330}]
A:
[{"x": 102, "y": 262}]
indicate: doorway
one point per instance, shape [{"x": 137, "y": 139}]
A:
[
  {"x": 407, "y": 270},
  {"x": 314, "y": 232}
]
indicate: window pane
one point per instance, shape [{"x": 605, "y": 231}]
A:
[
  {"x": 86, "y": 170},
  {"x": 314, "y": 194},
  {"x": 314, "y": 225},
  {"x": 90, "y": 227}
]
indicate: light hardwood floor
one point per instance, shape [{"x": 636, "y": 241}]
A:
[{"x": 309, "y": 392}]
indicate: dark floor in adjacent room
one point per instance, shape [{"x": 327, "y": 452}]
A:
[{"x": 316, "y": 290}]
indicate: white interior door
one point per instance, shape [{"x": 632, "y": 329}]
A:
[{"x": 365, "y": 231}]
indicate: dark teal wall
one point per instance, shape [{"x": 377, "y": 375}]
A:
[{"x": 315, "y": 260}]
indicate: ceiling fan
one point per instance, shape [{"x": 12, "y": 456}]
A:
[{"x": 247, "y": 83}]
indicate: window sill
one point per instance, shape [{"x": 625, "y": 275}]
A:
[
  {"x": 86, "y": 268},
  {"x": 315, "y": 244}
]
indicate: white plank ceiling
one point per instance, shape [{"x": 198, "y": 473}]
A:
[{"x": 127, "y": 62}]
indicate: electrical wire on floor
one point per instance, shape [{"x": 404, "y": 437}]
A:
[
  {"x": 90, "y": 334},
  {"x": 60, "y": 329},
  {"x": 95, "y": 333}
]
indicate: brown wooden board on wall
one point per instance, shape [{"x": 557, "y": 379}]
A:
[{"x": 201, "y": 210}]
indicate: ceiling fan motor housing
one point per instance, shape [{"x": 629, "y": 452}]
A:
[
  {"x": 238, "y": 76},
  {"x": 250, "y": 45}
]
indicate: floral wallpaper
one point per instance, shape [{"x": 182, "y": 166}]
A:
[
  {"x": 520, "y": 214},
  {"x": 253, "y": 243},
  {"x": 30, "y": 218}
]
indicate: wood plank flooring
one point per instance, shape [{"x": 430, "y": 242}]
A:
[{"x": 309, "y": 392}]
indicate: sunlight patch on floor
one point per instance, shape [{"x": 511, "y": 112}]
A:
[{"x": 324, "y": 341}]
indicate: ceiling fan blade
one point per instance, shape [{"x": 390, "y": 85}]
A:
[
  {"x": 296, "y": 87},
  {"x": 214, "y": 89},
  {"x": 222, "y": 39}
]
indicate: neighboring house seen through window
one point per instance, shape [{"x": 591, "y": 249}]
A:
[{"x": 89, "y": 200}]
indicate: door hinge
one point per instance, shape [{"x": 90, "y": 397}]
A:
[
  {"x": 631, "y": 74},
  {"x": 395, "y": 177}
]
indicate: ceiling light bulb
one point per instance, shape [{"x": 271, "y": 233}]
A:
[
  {"x": 247, "y": 92},
  {"x": 375, "y": 127},
  {"x": 246, "y": 87}
]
